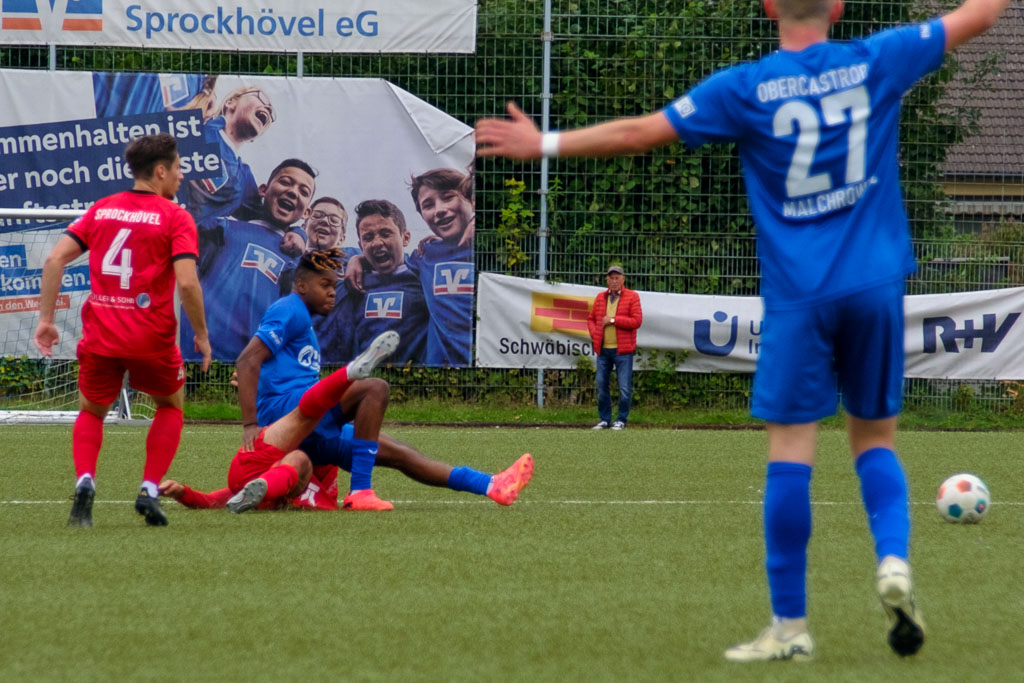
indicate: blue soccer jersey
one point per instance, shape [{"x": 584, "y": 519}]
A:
[
  {"x": 117, "y": 94},
  {"x": 240, "y": 268},
  {"x": 392, "y": 302},
  {"x": 446, "y": 274},
  {"x": 235, "y": 186},
  {"x": 294, "y": 365},
  {"x": 817, "y": 133},
  {"x": 335, "y": 330}
]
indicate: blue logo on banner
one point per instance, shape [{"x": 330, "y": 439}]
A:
[
  {"x": 945, "y": 328},
  {"x": 384, "y": 305},
  {"x": 26, "y": 15},
  {"x": 263, "y": 260},
  {"x": 453, "y": 277},
  {"x": 702, "y": 336}
]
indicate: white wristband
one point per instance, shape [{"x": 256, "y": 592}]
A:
[{"x": 549, "y": 144}]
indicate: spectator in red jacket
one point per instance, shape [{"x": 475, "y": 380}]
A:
[{"x": 613, "y": 322}]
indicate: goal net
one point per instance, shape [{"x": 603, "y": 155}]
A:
[{"x": 34, "y": 388}]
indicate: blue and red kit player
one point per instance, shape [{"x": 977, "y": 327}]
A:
[
  {"x": 321, "y": 491},
  {"x": 816, "y": 126},
  {"x": 335, "y": 421},
  {"x": 140, "y": 245}
]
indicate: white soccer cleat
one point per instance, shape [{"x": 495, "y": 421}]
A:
[
  {"x": 380, "y": 348},
  {"x": 250, "y": 496},
  {"x": 773, "y": 645},
  {"x": 896, "y": 591}
]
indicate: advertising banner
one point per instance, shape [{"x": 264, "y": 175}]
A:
[
  {"x": 273, "y": 166},
  {"x": 269, "y": 25},
  {"x": 525, "y": 323}
]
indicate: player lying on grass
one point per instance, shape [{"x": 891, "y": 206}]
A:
[
  {"x": 277, "y": 376},
  {"x": 317, "y": 486}
]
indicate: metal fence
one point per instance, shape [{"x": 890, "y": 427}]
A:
[{"x": 672, "y": 233}]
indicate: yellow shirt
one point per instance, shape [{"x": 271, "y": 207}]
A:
[{"x": 611, "y": 341}]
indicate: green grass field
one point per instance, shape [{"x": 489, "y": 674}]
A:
[{"x": 632, "y": 556}]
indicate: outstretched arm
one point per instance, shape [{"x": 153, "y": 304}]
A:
[
  {"x": 517, "y": 137},
  {"x": 970, "y": 20},
  {"x": 191, "y": 498}
]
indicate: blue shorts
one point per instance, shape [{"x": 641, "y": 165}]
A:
[
  {"x": 331, "y": 441},
  {"x": 854, "y": 343}
]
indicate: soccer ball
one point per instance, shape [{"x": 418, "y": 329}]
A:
[{"x": 963, "y": 499}]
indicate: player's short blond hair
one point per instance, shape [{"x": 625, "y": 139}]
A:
[{"x": 802, "y": 10}]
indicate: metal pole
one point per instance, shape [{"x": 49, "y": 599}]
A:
[{"x": 545, "y": 125}]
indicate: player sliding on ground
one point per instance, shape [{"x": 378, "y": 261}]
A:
[
  {"x": 335, "y": 421},
  {"x": 816, "y": 128},
  {"x": 317, "y": 486}
]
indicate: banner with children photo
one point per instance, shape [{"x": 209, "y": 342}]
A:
[{"x": 273, "y": 167}]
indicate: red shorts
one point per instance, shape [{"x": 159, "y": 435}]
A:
[
  {"x": 248, "y": 465},
  {"x": 100, "y": 377}
]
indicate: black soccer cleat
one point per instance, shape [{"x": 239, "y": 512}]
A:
[
  {"x": 907, "y": 633},
  {"x": 150, "y": 509},
  {"x": 81, "y": 509}
]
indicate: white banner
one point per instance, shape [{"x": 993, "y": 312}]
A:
[
  {"x": 62, "y": 138},
  {"x": 268, "y": 25},
  {"x": 530, "y": 324}
]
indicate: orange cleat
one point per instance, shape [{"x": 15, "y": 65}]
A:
[
  {"x": 507, "y": 485},
  {"x": 365, "y": 499}
]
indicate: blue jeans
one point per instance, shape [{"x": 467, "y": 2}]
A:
[{"x": 624, "y": 371}]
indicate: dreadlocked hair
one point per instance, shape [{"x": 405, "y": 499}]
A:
[{"x": 313, "y": 262}]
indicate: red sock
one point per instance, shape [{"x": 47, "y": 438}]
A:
[
  {"x": 162, "y": 442},
  {"x": 280, "y": 480},
  {"x": 325, "y": 394},
  {"x": 86, "y": 441}
]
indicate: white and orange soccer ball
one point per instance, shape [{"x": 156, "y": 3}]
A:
[{"x": 963, "y": 499}]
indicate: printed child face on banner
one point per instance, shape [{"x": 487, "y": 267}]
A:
[
  {"x": 286, "y": 197},
  {"x": 383, "y": 242},
  {"x": 247, "y": 114},
  {"x": 325, "y": 227},
  {"x": 443, "y": 199}
]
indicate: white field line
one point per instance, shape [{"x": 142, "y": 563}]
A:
[{"x": 480, "y": 500}]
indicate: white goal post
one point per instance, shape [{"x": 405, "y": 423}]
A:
[{"x": 34, "y": 389}]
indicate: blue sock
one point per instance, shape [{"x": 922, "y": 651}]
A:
[
  {"x": 364, "y": 455},
  {"x": 883, "y": 487},
  {"x": 468, "y": 479},
  {"x": 787, "y": 530}
]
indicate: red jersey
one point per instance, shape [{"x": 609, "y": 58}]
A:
[{"x": 133, "y": 239}]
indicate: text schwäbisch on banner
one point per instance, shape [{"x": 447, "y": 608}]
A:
[
  {"x": 531, "y": 324},
  {"x": 270, "y": 25}
]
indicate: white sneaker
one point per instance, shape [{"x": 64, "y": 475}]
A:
[
  {"x": 618, "y": 425},
  {"x": 380, "y": 348},
  {"x": 600, "y": 425},
  {"x": 896, "y": 591},
  {"x": 772, "y": 645},
  {"x": 249, "y": 497}
]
